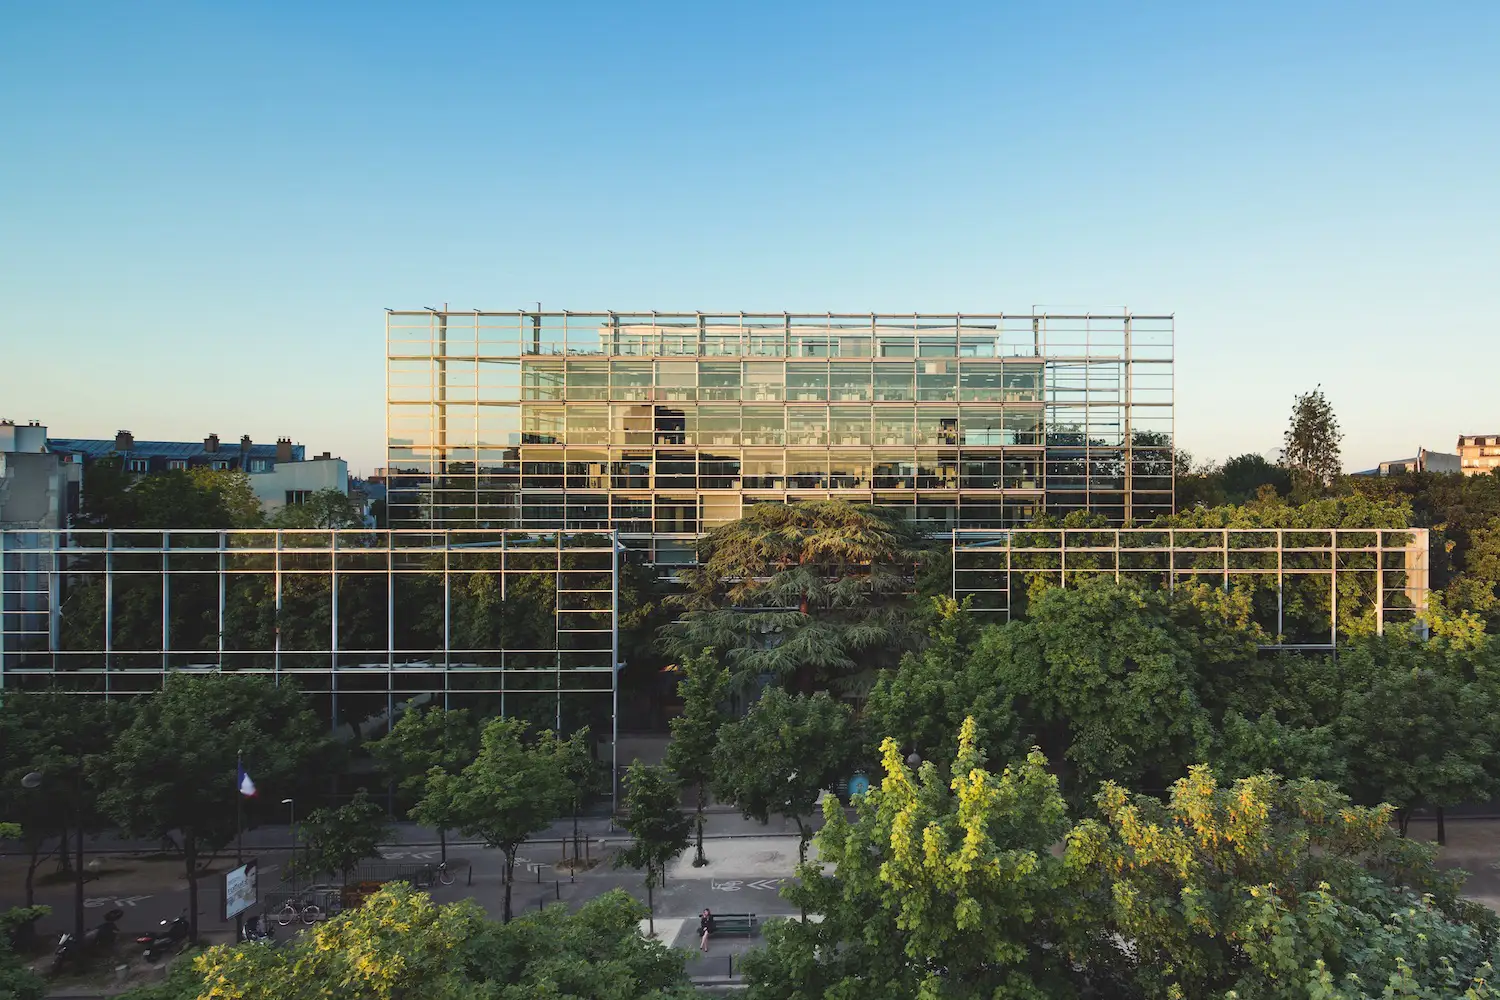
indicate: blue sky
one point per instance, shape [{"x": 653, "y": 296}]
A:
[{"x": 204, "y": 208}]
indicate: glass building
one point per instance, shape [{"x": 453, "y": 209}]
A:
[{"x": 662, "y": 425}]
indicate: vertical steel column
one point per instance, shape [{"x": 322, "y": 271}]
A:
[
  {"x": 1225, "y": 537},
  {"x": 1280, "y": 586},
  {"x": 441, "y": 368},
  {"x": 166, "y": 606},
  {"x": 1379, "y": 582},
  {"x": 1333, "y": 587},
  {"x": 614, "y": 672},
  {"x": 109, "y": 606},
  {"x": 1129, "y": 433},
  {"x": 4, "y": 543},
  {"x": 223, "y": 573},
  {"x": 54, "y": 601},
  {"x": 276, "y": 570},
  {"x": 448, "y": 616}
]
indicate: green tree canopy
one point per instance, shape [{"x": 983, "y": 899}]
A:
[
  {"x": 656, "y": 824},
  {"x": 695, "y": 732},
  {"x": 173, "y": 768},
  {"x": 423, "y": 739},
  {"x": 322, "y": 509},
  {"x": 511, "y": 790},
  {"x": 338, "y": 839},
  {"x": 400, "y": 945},
  {"x": 781, "y": 755},
  {"x": 1310, "y": 446},
  {"x": 817, "y": 593}
]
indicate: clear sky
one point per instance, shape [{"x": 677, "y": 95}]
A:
[{"x": 204, "y": 207}]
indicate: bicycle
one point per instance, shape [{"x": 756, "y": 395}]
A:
[
  {"x": 443, "y": 874},
  {"x": 308, "y": 913}
]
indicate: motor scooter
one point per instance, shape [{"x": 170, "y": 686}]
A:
[
  {"x": 258, "y": 928},
  {"x": 100, "y": 937},
  {"x": 159, "y": 943}
]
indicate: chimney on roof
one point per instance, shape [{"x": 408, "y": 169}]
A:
[
  {"x": 325, "y": 457},
  {"x": 124, "y": 441},
  {"x": 211, "y": 443},
  {"x": 283, "y": 449},
  {"x": 244, "y": 444}
]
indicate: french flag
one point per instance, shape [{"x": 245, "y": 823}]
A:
[{"x": 247, "y": 787}]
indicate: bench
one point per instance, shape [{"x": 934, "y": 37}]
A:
[{"x": 735, "y": 923}]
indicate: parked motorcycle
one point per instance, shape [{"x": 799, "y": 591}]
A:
[
  {"x": 159, "y": 943},
  {"x": 100, "y": 937}
]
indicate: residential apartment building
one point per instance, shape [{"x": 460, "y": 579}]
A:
[
  {"x": 664, "y": 425},
  {"x": 1479, "y": 454}
]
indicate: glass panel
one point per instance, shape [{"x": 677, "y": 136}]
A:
[
  {"x": 849, "y": 469},
  {"x": 980, "y": 383},
  {"x": 849, "y": 425},
  {"x": 630, "y": 379},
  {"x": 893, "y": 383},
  {"x": 849, "y": 383},
  {"x": 676, "y": 380},
  {"x": 895, "y": 470},
  {"x": 1023, "y": 384},
  {"x": 632, "y": 513},
  {"x": 588, "y": 380},
  {"x": 718, "y": 425},
  {"x": 587, "y": 424},
  {"x": 980, "y": 471},
  {"x": 895, "y": 346},
  {"x": 718, "y": 471},
  {"x": 719, "y": 380},
  {"x": 632, "y": 471},
  {"x": 937, "y": 381},
  {"x": 542, "y": 380},
  {"x": 1023, "y": 426},
  {"x": 764, "y": 381},
  {"x": 893, "y": 425},
  {"x": 937, "y": 470},
  {"x": 806, "y": 470},
  {"x": 541, "y": 424},
  {"x": 587, "y": 470},
  {"x": 762, "y": 471},
  {"x": 764, "y": 425},
  {"x": 945, "y": 346},
  {"x": 675, "y": 425},
  {"x": 807, "y": 425},
  {"x": 633, "y": 425},
  {"x": 982, "y": 425},
  {"x": 937, "y": 425},
  {"x": 676, "y": 470},
  {"x": 806, "y": 383}
]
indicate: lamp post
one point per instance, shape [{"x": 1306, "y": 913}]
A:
[
  {"x": 914, "y": 760},
  {"x": 292, "y": 813},
  {"x": 33, "y": 780}
]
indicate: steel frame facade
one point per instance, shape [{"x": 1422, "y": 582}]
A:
[
  {"x": 1308, "y": 585},
  {"x": 662, "y": 425},
  {"x": 363, "y": 621}
]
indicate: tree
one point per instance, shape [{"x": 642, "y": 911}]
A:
[
  {"x": 1310, "y": 446},
  {"x": 1243, "y": 476},
  {"x": 658, "y": 830},
  {"x": 173, "y": 767},
  {"x": 695, "y": 732},
  {"x": 1109, "y": 681},
  {"x": 781, "y": 755},
  {"x": 322, "y": 509},
  {"x": 815, "y": 593},
  {"x": 113, "y": 498},
  {"x": 938, "y": 889},
  {"x": 339, "y": 839},
  {"x": 580, "y": 773},
  {"x": 510, "y": 791},
  {"x": 234, "y": 492},
  {"x": 57, "y": 735},
  {"x": 17, "y": 981},
  {"x": 400, "y": 945},
  {"x": 1277, "y": 889},
  {"x": 423, "y": 739},
  {"x": 1420, "y": 721},
  {"x": 923, "y": 703}
]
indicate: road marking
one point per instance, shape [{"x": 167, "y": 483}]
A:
[
  {"x": 120, "y": 901},
  {"x": 767, "y": 883},
  {"x": 733, "y": 885},
  {"x": 531, "y": 867}
]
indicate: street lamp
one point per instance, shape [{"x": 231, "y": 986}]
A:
[
  {"x": 33, "y": 780},
  {"x": 914, "y": 760}
]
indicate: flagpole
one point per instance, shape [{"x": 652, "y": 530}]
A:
[{"x": 239, "y": 833}]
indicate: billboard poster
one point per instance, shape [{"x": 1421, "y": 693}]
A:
[{"x": 240, "y": 889}]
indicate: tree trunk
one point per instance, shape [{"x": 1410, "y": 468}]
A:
[
  {"x": 575, "y": 833},
  {"x": 1442, "y": 828},
  {"x": 803, "y": 836},
  {"x": 699, "y": 860},
  {"x": 510, "y": 866},
  {"x": 443, "y": 845},
  {"x": 190, "y": 852},
  {"x": 31, "y": 867},
  {"x": 1403, "y": 819},
  {"x": 64, "y": 860},
  {"x": 650, "y": 909}
]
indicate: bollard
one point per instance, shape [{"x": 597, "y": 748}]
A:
[
  {"x": 557, "y": 884},
  {"x": 731, "y": 965},
  {"x": 471, "y": 873},
  {"x": 538, "y": 874}
]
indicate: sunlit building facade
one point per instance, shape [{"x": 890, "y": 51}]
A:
[{"x": 664, "y": 425}]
